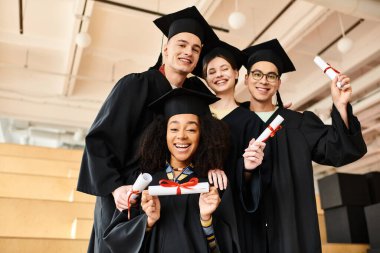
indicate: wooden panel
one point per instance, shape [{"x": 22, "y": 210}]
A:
[
  {"x": 40, "y": 218},
  {"x": 322, "y": 228},
  {"x": 81, "y": 228},
  {"x": 41, "y": 152},
  {"x": 33, "y": 245},
  {"x": 344, "y": 248},
  {"x": 318, "y": 201},
  {"x": 41, "y": 187},
  {"x": 37, "y": 166}
]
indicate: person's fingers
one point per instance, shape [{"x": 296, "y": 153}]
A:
[
  {"x": 345, "y": 82},
  {"x": 215, "y": 179},
  {"x": 288, "y": 105},
  {"x": 251, "y": 142},
  {"x": 210, "y": 179},
  {"x": 250, "y": 153},
  {"x": 225, "y": 180},
  {"x": 255, "y": 146},
  {"x": 220, "y": 181},
  {"x": 121, "y": 206},
  {"x": 213, "y": 191},
  {"x": 346, "y": 87},
  {"x": 262, "y": 145}
]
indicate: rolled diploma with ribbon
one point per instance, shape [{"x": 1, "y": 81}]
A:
[
  {"x": 158, "y": 190},
  {"x": 140, "y": 184},
  {"x": 327, "y": 69},
  {"x": 271, "y": 129}
]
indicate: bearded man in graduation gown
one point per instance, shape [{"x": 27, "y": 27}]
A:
[
  {"x": 110, "y": 157},
  {"x": 287, "y": 220}
]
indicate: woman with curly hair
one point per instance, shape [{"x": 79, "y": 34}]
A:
[{"x": 184, "y": 143}]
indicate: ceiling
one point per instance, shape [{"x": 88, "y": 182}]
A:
[{"x": 51, "y": 89}]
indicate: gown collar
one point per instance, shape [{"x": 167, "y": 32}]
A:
[{"x": 184, "y": 174}]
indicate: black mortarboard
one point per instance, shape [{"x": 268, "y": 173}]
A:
[
  {"x": 187, "y": 20},
  {"x": 270, "y": 51},
  {"x": 230, "y": 52},
  {"x": 183, "y": 101}
]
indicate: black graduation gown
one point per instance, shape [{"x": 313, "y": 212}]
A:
[
  {"x": 287, "y": 220},
  {"x": 110, "y": 157},
  {"x": 244, "y": 125},
  {"x": 178, "y": 229}
]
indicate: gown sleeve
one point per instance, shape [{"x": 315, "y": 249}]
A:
[
  {"x": 110, "y": 137},
  {"x": 249, "y": 191},
  {"x": 334, "y": 144},
  {"x": 224, "y": 223},
  {"x": 124, "y": 235}
]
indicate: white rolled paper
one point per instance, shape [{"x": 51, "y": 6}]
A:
[
  {"x": 140, "y": 184},
  {"x": 158, "y": 190},
  {"x": 268, "y": 131},
  {"x": 327, "y": 69}
]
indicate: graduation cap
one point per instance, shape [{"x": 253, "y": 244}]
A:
[
  {"x": 188, "y": 20},
  {"x": 270, "y": 51},
  {"x": 232, "y": 54},
  {"x": 183, "y": 101}
]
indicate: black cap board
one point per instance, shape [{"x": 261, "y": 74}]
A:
[
  {"x": 187, "y": 20},
  {"x": 183, "y": 101},
  {"x": 270, "y": 51},
  {"x": 230, "y": 52}
]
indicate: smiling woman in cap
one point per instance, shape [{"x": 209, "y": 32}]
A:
[
  {"x": 180, "y": 145},
  {"x": 111, "y": 156},
  {"x": 287, "y": 219},
  {"x": 220, "y": 70}
]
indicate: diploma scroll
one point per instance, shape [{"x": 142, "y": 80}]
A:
[
  {"x": 273, "y": 127},
  {"x": 327, "y": 69},
  {"x": 159, "y": 190},
  {"x": 142, "y": 181},
  {"x": 140, "y": 184}
]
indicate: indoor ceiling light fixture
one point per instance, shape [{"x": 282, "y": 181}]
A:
[
  {"x": 344, "y": 44},
  {"x": 236, "y": 19},
  {"x": 83, "y": 39}
]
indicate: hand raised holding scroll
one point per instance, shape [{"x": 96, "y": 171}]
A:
[
  {"x": 152, "y": 207},
  {"x": 208, "y": 202},
  {"x": 253, "y": 155}
]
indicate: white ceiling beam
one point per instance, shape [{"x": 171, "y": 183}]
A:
[
  {"x": 300, "y": 19},
  {"x": 30, "y": 41},
  {"x": 56, "y": 112},
  {"x": 367, "y": 9},
  {"x": 208, "y": 7},
  {"x": 83, "y": 13}
]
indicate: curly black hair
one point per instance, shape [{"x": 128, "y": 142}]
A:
[{"x": 210, "y": 154}]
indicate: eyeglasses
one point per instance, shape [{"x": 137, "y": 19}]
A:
[{"x": 258, "y": 75}]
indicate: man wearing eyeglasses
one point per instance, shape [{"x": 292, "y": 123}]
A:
[{"x": 287, "y": 220}]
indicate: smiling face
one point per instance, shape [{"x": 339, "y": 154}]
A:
[
  {"x": 182, "y": 137},
  {"x": 182, "y": 53},
  {"x": 262, "y": 91},
  {"x": 220, "y": 76}
]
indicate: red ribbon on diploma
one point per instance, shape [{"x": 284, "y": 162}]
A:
[
  {"x": 187, "y": 185},
  {"x": 129, "y": 204},
  {"x": 329, "y": 67},
  {"x": 273, "y": 131}
]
